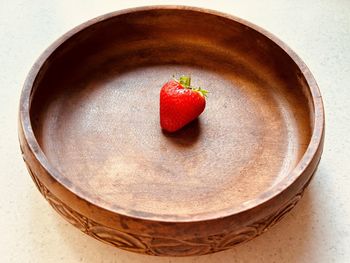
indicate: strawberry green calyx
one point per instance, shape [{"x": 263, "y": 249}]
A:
[
  {"x": 201, "y": 91},
  {"x": 185, "y": 81}
]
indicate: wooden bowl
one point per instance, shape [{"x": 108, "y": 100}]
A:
[{"x": 90, "y": 134}]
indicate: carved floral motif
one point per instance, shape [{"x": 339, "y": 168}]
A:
[{"x": 162, "y": 246}]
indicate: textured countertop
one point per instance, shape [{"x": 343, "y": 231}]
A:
[{"x": 317, "y": 230}]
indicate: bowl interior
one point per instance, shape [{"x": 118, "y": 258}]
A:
[{"x": 95, "y": 113}]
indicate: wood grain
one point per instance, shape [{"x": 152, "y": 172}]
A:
[{"x": 90, "y": 135}]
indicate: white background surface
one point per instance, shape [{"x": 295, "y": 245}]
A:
[{"x": 317, "y": 230}]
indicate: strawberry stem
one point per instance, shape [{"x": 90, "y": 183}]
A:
[{"x": 185, "y": 81}]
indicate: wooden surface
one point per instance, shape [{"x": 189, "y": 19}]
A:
[{"x": 99, "y": 157}]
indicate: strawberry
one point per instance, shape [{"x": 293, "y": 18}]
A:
[{"x": 180, "y": 103}]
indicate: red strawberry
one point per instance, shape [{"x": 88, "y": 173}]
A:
[{"x": 180, "y": 103}]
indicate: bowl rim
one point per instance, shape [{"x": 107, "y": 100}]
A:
[{"x": 309, "y": 155}]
